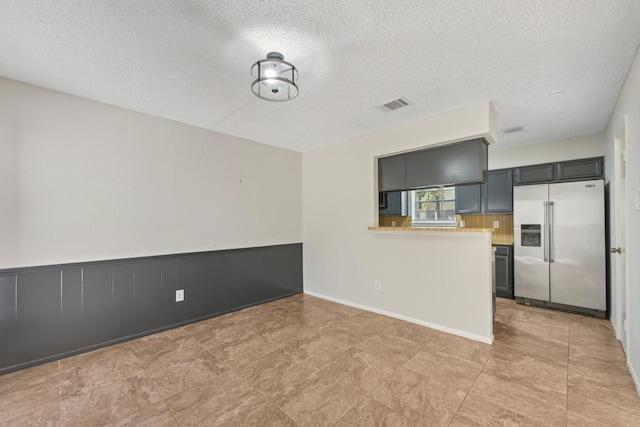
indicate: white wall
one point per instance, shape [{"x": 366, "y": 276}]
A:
[
  {"x": 434, "y": 279},
  {"x": 580, "y": 147},
  {"x": 628, "y": 104},
  {"x": 81, "y": 181}
]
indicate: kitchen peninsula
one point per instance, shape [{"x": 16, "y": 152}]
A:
[
  {"x": 445, "y": 278},
  {"x": 439, "y": 279}
]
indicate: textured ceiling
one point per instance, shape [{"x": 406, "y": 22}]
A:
[{"x": 190, "y": 60}]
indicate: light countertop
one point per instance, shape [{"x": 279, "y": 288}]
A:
[
  {"x": 434, "y": 229},
  {"x": 504, "y": 242},
  {"x": 495, "y": 240}
]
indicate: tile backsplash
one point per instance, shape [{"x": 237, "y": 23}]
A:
[
  {"x": 503, "y": 235},
  {"x": 400, "y": 221}
]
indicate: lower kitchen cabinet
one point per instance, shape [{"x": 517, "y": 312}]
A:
[{"x": 504, "y": 271}]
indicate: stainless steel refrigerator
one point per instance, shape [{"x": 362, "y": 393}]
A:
[{"x": 559, "y": 246}]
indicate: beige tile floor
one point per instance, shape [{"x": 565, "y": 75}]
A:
[{"x": 306, "y": 361}]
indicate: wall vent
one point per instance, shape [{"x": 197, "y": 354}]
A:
[
  {"x": 514, "y": 129},
  {"x": 395, "y": 104}
]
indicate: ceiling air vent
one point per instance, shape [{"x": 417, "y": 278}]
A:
[
  {"x": 395, "y": 104},
  {"x": 514, "y": 129}
]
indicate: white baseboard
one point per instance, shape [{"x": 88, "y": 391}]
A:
[
  {"x": 458, "y": 332},
  {"x": 634, "y": 377},
  {"x": 615, "y": 329}
]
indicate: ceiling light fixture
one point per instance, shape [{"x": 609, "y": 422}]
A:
[{"x": 275, "y": 78}]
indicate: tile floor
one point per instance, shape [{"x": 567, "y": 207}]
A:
[{"x": 306, "y": 361}]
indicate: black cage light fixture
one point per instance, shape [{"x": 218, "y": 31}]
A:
[{"x": 275, "y": 78}]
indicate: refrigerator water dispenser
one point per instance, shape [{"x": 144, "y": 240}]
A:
[{"x": 530, "y": 235}]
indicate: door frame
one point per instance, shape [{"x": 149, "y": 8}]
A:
[{"x": 620, "y": 227}]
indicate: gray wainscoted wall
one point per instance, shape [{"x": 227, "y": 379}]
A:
[{"x": 51, "y": 312}]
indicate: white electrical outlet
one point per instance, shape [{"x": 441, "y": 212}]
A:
[
  {"x": 496, "y": 224},
  {"x": 393, "y": 223},
  {"x": 462, "y": 223},
  {"x": 180, "y": 295},
  {"x": 377, "y": 285}
]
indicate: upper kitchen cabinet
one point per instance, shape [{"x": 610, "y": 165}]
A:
[
  {"x": 392, "y": 173},
  {"x": 468, "y": 199},
  {"x": 454, "y": 164},
  {"x": 571, "y": 170},
  {"x": 576, "y": 170},
  {"x": 396, "y": 203},
  {"x": 534, "y": 174},
  {"x": 498, "y": 192},
  {"x": 496, "y": 196}
]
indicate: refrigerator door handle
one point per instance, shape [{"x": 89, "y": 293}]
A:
[
  {"x": 545, "y": 233},
  {"x": 551, "y": 248}
]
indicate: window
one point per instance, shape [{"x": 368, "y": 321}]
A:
[{"x": 433, "y": 206}]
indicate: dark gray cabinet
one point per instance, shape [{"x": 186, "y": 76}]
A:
[
  {"x": 454, "y": 164},
  {"x": 396, "y": 203},
  {"x": 571, "y": 170},
  {"x": 534, "y": 174},
  {"x": 461, "y": 163},
  {"x": 392, "y": 173},
  {"x": 580, "y": 169},
  {"x": 496, "y": 196},
  {"x": 504, "y": 271},
  {"x": 498, "y": 192},
  {"x": 468, "y": 199}
]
